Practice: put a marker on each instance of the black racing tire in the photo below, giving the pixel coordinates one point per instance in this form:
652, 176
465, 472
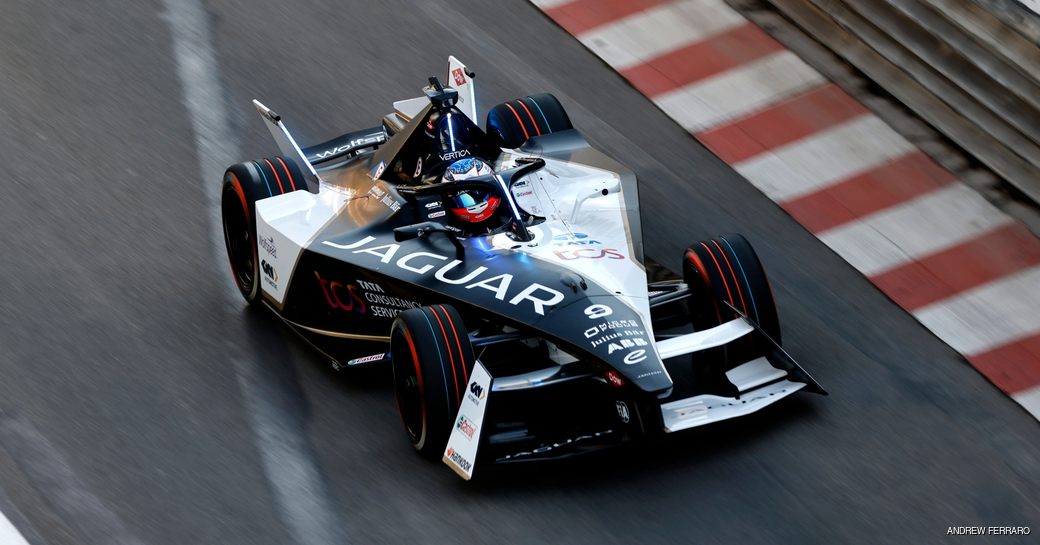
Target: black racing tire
432, 360
243, 185
726, 268
512, 123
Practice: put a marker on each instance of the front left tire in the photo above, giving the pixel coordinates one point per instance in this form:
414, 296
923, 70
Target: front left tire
431, 359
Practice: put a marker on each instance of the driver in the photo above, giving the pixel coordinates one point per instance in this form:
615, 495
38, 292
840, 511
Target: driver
472, 206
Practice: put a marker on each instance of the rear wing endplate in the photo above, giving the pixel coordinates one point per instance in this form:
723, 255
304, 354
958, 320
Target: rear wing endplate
286, 144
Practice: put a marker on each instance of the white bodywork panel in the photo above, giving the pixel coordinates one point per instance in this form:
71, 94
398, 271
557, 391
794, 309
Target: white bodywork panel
705, 409
409, 108
585, 229
703, 340
285, 225
461, 451
460, 80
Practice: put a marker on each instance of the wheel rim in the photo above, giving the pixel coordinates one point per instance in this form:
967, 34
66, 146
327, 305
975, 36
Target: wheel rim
407, 389
239, 240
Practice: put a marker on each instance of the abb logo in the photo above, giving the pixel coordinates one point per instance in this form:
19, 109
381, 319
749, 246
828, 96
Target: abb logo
340, 296
589, 253
460, 78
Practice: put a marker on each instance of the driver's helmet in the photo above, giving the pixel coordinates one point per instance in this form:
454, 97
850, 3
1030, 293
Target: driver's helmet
472, 205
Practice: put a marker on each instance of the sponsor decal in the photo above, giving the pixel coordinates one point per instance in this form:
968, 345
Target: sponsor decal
458, 460
434, 204
269, 270
614, 378
618, 329
598, 311
270, 275
379, 170
476, 393
621, 344
367, 359
589, 253
425, 263
459, 75
635, 356
552, 446
622, 411
465, 426
650, 373
437, 214
267, 243
573, 239
340, 296
454, 155
381, 194
371, 139
382, 305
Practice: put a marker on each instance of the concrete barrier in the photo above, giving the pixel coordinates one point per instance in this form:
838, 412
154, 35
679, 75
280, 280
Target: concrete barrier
966, 69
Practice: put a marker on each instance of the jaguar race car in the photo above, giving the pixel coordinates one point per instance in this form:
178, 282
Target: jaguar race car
499, 273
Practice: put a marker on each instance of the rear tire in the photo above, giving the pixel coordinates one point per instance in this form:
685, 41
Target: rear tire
512, 123
726, 268
239, 220
431, 359
243, 185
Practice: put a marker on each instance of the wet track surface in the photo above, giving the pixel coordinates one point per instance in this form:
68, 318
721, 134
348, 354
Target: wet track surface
141, 403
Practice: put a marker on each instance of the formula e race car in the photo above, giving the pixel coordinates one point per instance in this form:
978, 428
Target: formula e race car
499, 273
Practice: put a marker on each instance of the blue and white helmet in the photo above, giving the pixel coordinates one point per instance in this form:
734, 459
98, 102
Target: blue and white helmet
466, 168
471, 205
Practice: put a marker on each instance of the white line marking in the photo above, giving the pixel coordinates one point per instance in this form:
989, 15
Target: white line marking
638, 38
86, 515
9, 535
296, 482
1030, 399
921, 226
549, 4
988, 316
739, 91
824, 158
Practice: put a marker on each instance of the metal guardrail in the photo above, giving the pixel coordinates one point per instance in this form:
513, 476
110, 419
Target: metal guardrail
963, 70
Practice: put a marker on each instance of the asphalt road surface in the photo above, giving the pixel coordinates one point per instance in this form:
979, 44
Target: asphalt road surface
140, 402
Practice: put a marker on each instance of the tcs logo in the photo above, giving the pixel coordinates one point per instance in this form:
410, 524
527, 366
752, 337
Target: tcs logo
589, 253
340, 296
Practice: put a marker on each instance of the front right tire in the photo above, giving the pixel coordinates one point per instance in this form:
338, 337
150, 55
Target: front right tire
726, 268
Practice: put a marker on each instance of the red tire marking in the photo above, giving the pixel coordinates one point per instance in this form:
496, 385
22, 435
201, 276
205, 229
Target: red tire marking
721, 274
518, 120
733, 274
696, 260
451, 356
458, 343
241, 194
287, 173
418, 376
703, 272
276, 177
533, 122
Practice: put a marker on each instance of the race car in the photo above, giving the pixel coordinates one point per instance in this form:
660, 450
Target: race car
499, 272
